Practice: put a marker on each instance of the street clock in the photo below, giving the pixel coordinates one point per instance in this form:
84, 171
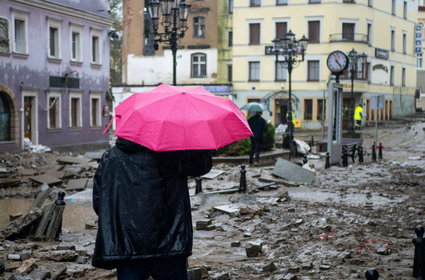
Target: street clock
337, 62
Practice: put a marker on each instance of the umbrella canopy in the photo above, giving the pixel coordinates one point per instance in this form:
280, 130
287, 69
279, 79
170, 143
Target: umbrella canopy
170, 118
254, 107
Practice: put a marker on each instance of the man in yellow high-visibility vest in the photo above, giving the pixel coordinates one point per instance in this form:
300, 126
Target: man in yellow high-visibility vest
358, 116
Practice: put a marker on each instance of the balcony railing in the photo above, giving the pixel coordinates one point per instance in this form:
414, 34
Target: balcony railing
349, 37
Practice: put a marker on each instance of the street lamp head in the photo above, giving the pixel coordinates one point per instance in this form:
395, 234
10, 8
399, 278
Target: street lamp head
175, 5
290, 36
278, 44
304, 43
352, 53
184, 11
166, 6
153, 9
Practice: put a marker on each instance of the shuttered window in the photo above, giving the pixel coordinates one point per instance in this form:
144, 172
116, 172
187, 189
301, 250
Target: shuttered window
313, 70
254, 33
281, 29
348, 31
314, 31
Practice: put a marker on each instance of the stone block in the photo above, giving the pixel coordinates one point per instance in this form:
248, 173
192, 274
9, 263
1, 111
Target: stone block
292, 172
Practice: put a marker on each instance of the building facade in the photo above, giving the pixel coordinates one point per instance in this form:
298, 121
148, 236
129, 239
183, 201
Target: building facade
382, 30
54, 72
420, 43
197, 53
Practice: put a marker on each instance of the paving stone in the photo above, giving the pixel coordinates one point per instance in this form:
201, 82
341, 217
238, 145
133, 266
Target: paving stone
73, 160
76, 184
27, 266
46, 179
292, 172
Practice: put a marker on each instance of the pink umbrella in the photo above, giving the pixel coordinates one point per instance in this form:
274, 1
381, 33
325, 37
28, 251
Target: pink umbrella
170, 118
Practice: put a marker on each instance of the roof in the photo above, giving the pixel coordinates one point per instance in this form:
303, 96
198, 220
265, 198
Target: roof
97, 7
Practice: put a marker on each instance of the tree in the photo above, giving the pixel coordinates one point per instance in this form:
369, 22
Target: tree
115, 10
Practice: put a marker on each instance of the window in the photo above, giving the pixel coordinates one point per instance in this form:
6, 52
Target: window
281, 29
76, 44
419, 61
405, 9
254, 33
313, 70
321, 110
393, 7
229, 72
255, 3
230, 38
95, 111
314, 31
199, 65
254, 71
314, 1
281, 2
95, 47
230, 6
308, 109
5, 119
370, 3
54, 109
75, 119
393, 40
391, 75
280, 72
54, 39
369, 34
20, 44
199, 27
403, 77
348, 31
4, 35
404, 43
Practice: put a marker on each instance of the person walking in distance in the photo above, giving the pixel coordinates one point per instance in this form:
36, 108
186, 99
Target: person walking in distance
258, 126
358, 116
142, 200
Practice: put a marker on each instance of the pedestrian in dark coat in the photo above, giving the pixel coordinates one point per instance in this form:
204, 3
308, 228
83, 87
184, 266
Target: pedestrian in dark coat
258, 126
142, 200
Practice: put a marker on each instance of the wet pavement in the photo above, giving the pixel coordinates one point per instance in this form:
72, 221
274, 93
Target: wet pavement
348, 220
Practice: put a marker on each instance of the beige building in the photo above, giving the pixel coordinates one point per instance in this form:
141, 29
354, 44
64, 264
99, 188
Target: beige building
382, 30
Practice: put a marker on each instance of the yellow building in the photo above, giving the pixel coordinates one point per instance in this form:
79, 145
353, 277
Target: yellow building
383, 30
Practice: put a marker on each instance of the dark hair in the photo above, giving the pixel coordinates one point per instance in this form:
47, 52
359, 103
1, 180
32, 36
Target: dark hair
128, 146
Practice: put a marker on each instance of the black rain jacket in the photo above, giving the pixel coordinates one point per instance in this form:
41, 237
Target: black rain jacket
142, 201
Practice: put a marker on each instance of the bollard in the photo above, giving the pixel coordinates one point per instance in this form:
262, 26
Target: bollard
305, 159
353, 153
372, 274
360, 153
374, 151
345, 156
327, 162
60, 200
242, 182
419, 257
50, 225
198, 187
380, 148
311, 143
1, 266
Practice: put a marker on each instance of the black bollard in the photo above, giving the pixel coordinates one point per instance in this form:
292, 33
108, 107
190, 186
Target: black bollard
419, 258
60, 200
305, 159
198, 187
344, 156
353, 153
371, 274
1, 266
327, 162
374, 151
380, 147
242, 182
360, 152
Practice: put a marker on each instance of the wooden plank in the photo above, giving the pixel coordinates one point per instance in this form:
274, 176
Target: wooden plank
41, 197
43, 224
55, 223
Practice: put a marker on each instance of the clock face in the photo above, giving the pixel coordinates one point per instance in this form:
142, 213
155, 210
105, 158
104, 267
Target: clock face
337, 61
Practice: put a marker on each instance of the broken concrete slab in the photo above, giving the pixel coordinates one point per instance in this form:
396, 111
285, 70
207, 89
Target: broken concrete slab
56, 173
9, 182
76, 184
230, 209
293, 172
213, 174
27, 172
46, 179
82, 196
73, 160
94, 155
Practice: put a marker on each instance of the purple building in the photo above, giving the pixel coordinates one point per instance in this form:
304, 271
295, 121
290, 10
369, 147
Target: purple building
54, 72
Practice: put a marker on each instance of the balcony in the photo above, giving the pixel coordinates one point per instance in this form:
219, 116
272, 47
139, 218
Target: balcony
349, 37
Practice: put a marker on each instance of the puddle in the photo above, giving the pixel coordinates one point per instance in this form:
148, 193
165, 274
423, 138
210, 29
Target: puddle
307, 194
75, 216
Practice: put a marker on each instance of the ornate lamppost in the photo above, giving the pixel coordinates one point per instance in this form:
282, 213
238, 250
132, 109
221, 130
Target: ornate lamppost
174, 14
354, 57
292, 53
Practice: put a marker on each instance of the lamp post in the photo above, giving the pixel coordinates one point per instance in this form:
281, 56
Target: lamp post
354, 57
174, 14
292, 52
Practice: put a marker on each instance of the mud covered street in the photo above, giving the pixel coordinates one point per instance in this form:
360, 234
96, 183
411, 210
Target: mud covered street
348, 220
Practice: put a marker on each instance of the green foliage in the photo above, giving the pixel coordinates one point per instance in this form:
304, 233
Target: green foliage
243, 147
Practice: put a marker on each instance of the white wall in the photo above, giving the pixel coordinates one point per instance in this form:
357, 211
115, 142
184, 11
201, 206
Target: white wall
151, 70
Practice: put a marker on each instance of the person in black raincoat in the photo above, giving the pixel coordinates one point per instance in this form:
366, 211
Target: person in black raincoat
258, 126
142, 201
